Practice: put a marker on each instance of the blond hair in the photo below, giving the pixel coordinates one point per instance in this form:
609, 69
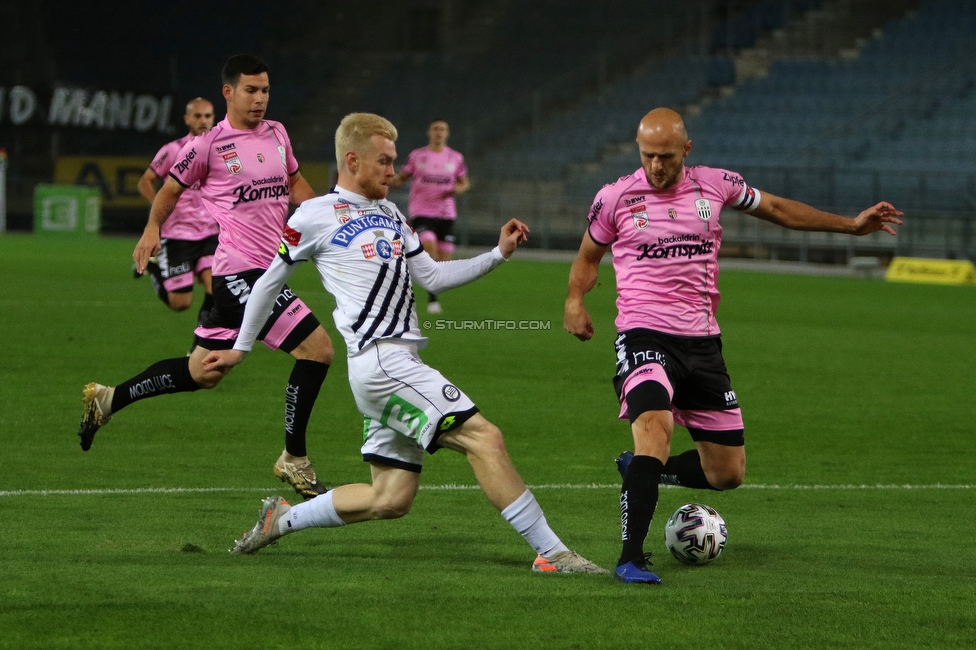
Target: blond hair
355, 133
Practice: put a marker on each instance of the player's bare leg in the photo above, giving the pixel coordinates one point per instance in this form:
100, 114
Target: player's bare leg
482, 443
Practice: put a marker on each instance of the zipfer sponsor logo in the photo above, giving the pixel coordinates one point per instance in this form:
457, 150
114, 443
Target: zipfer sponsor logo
184, 164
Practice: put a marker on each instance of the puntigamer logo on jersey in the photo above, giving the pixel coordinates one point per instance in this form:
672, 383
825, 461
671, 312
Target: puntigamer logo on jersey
349, 231
273, 187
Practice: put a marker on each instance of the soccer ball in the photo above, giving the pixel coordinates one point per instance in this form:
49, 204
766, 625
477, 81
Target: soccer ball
695, 534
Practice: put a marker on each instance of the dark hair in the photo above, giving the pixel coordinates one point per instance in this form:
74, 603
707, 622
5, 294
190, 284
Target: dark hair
242, 64
437, 119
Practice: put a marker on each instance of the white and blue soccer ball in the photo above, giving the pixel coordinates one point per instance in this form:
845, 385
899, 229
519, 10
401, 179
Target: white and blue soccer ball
695, 534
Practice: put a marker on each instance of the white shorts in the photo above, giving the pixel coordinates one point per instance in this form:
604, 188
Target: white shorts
406, 404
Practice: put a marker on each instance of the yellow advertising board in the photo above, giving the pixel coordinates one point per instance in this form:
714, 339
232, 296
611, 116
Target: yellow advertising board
116, 177
929, 271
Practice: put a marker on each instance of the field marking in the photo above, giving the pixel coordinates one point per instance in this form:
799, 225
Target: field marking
461, 487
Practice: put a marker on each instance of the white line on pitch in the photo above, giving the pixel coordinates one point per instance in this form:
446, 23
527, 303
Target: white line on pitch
456, 487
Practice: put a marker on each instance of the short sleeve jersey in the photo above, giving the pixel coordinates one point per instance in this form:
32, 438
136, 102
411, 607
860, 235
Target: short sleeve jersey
190, 220
361, 249
434, 174
665, 247
244, 181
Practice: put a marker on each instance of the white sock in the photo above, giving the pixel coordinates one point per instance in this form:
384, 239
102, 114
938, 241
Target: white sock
526, 516
317, 513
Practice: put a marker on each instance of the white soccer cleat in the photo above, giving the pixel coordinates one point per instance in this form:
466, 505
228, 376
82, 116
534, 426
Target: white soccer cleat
264, 532
566, 562
434, 308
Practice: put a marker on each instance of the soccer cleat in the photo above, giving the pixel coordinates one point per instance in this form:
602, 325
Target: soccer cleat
623, 462
636, 571
98, 412
300, 476
434, 308
265, 532
566, 562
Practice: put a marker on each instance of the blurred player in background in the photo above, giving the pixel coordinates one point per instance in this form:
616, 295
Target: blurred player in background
438, 174
247, 174
662, 223
366, 254
189, 235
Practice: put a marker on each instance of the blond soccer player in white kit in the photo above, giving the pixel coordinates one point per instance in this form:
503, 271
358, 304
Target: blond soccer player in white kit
367, 255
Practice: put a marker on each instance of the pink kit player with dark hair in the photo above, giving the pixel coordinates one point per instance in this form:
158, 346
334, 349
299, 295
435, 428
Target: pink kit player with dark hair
662, 224
438, 174
248, 175
189, 235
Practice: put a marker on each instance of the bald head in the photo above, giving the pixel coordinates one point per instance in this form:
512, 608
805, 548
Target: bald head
663, 143
199, 116
663, 122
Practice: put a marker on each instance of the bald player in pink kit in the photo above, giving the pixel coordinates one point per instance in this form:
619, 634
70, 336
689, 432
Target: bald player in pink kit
662, 224
189, 235
439, 173
248, 175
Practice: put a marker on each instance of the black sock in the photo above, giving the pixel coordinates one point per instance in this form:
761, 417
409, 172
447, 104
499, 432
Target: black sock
300, 394
638, 500
208, 303
431, 297
685, 470
156, 278
161, 378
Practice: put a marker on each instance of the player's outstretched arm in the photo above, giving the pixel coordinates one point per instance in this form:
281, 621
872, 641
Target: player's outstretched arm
876, 218
582, 278
800, 216
513, 233
163, 206
438, 277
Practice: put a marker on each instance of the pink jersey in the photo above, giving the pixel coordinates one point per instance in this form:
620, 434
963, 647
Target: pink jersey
434, 175
665, 247
190, 220
244, 180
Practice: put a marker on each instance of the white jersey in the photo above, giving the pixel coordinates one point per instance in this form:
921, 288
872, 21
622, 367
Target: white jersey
365, 252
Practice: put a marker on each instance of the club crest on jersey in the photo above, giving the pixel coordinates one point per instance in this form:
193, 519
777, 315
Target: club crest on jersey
382, 247
639, 213
233, 162
704, 209
342, 212
260, 157
672, 213
281, 152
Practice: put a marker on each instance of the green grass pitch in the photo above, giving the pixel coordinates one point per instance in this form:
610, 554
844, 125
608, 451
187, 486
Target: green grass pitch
854, 529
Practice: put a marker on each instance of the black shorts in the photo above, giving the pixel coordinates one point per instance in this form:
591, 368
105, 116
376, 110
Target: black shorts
686, 375
180, 260
290, 322
442, 228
